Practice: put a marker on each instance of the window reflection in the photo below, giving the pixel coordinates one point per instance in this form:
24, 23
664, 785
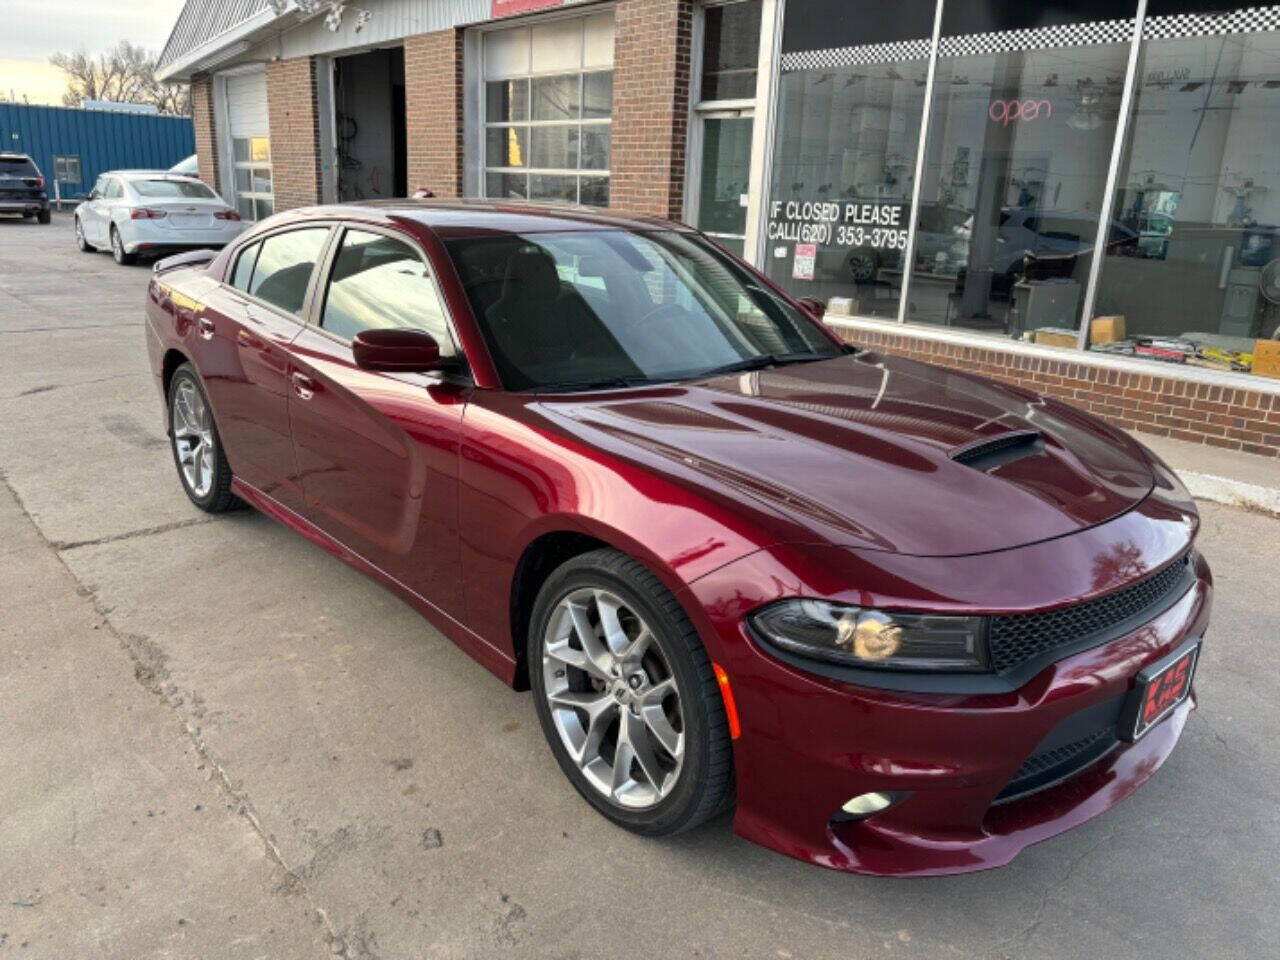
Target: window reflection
1016, 168
844, 165
1200, 187
380, 282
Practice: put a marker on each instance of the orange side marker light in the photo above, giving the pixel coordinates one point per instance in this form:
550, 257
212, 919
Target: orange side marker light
730, 707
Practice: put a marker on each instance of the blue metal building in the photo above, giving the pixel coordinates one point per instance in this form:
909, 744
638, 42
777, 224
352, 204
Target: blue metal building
74, 145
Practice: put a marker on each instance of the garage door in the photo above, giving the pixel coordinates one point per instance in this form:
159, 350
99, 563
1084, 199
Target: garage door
249, 127
247, 104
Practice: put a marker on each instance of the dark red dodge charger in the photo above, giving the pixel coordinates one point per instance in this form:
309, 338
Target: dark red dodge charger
905, 620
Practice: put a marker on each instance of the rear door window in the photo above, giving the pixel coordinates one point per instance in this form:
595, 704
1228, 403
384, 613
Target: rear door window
114, 190
241, 275
284, 267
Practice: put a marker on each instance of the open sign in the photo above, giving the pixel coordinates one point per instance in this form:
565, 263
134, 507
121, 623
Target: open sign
1008, 111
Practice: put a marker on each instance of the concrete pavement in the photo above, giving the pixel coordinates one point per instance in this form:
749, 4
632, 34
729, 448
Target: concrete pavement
218, 741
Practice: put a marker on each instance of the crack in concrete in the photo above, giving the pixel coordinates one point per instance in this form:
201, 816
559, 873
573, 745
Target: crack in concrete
1049, 891
62, 386
63, 545
75, 326
151, 671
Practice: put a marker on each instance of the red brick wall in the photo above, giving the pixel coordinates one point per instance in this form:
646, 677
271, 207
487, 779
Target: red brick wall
295, 132
1234, 419
206, 131
651, 63
433, 111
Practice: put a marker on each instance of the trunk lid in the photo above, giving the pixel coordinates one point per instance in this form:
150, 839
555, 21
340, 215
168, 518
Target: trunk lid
187, 203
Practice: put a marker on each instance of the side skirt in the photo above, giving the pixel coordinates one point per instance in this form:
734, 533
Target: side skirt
498, 662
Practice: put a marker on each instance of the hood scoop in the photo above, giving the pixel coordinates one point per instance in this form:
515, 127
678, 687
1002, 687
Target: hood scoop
991, 452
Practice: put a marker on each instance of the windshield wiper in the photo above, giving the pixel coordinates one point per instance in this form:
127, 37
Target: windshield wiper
762, 361
600, 383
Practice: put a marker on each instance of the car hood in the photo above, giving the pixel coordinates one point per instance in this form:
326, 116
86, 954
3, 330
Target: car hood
875, 452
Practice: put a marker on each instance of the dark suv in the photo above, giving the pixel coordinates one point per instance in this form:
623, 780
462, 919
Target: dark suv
22, 187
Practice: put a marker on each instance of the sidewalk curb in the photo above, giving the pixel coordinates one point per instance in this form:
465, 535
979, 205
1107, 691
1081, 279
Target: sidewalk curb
1233, 493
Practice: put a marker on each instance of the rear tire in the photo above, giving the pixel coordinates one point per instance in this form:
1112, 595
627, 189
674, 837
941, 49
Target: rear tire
655, 706
44, 216
118, 252
81, 242
196, 445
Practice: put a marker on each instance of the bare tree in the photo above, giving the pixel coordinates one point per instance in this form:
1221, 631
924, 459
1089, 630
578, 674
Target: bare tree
124, 74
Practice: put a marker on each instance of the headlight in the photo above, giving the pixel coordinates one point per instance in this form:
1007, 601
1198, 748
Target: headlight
858, 637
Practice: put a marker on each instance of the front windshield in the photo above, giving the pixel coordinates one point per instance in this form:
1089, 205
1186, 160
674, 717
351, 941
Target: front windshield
572, 309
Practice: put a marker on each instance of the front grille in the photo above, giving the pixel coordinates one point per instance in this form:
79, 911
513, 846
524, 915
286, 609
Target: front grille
1044, 769
1017, 638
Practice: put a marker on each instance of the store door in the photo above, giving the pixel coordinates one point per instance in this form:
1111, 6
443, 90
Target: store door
724, 170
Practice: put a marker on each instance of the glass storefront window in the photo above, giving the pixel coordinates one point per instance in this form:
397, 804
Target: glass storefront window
1021, 201
1199, 187
844, 164
1015, 173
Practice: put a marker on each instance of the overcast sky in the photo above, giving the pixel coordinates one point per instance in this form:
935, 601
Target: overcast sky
34, 30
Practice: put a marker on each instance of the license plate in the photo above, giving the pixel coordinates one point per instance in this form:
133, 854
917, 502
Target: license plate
189, 219
1158, 689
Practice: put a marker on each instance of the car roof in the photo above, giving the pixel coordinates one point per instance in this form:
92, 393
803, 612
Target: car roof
10, 155
468, 217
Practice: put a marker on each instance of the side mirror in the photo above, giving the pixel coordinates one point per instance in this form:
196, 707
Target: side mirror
813, 307
397, 350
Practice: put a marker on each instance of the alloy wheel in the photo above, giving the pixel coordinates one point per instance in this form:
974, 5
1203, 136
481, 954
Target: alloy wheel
117, 246
80, 240
193, 439
613, 698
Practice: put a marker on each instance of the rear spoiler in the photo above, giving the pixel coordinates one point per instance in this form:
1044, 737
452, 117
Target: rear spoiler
189, 258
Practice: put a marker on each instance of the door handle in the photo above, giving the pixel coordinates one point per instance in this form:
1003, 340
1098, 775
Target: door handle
303, 385
205, 326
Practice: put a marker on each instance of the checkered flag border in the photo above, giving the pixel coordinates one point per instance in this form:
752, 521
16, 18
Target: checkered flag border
1184, 25
857, 56
1038, 38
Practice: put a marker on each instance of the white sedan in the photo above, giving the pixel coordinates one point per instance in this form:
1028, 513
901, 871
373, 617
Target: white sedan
145, 211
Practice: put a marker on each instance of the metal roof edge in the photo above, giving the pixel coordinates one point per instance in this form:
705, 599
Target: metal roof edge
213, 51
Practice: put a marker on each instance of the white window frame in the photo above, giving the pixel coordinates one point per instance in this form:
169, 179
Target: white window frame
226, 146
484, 125
702, 110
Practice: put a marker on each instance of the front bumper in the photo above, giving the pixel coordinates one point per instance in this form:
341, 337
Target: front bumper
810, 743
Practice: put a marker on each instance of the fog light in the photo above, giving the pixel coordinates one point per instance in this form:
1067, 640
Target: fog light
868, 803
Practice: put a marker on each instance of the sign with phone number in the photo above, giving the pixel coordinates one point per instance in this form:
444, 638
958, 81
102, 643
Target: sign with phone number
839, 223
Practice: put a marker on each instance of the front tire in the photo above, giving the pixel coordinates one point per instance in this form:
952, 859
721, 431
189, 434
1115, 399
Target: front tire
118, 251
197, 448
81, 242
627, 696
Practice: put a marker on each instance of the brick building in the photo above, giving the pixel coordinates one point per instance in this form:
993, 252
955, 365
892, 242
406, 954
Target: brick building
1037, 166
